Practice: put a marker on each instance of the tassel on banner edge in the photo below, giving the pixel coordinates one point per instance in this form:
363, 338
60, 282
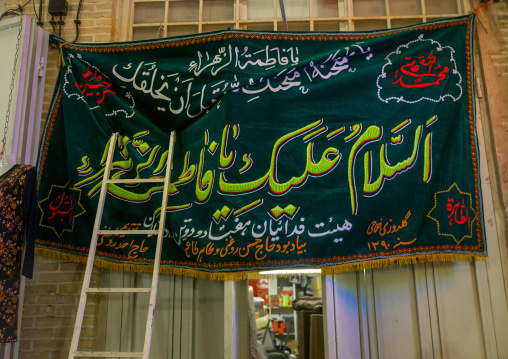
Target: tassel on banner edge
242, 275
399, 261
61, 59
137, 268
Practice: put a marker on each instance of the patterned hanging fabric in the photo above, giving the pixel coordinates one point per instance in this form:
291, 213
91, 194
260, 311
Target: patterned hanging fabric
16, 217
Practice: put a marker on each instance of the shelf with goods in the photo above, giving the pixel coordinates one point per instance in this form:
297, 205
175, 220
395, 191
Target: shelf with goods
274, 299
281, 294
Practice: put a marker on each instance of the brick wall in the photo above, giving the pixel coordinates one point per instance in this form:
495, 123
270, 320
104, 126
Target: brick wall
50, 305
501, 58
493, 46
52, 296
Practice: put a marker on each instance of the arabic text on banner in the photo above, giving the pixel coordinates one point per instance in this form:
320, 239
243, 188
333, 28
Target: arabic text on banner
341, 151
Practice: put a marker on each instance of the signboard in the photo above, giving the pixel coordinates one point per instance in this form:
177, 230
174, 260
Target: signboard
342, 151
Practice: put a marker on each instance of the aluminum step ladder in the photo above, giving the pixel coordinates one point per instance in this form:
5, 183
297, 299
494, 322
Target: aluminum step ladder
74, 353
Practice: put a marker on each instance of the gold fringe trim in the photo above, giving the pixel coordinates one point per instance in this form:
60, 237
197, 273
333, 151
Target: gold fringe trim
399, 261
242, 275
141, 268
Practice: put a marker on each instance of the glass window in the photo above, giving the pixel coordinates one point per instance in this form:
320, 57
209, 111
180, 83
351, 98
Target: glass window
145, 33
218, 10
184, 17
149, 12
326, 26
257, 9
294, 26
183, 11
405, 7
366, 8
325, 8
369, 25
263, 26
182, 30
405, 22
439, 7
217, 27
295, 9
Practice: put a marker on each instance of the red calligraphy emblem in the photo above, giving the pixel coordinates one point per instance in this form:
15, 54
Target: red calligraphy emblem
458, 213
420, 72
61, 207
94, 86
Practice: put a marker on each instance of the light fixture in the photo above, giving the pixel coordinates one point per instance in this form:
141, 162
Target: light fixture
292, 271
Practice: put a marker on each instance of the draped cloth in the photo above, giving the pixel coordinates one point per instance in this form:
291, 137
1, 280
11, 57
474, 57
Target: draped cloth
341, 151
17, 217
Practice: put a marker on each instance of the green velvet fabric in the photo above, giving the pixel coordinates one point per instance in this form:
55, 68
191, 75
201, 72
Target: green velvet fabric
292, 149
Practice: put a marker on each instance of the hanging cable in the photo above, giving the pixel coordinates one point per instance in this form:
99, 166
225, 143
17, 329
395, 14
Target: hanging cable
60, 23
53, 23
77, 21
35, 12
15, 12
40, 12
39, 17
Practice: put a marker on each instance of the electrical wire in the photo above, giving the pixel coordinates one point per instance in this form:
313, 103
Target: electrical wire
28, 2
39, 17
14, 12
9, 13
53, 23
77, 30
40, 13
35, 12
60, 23
77, 21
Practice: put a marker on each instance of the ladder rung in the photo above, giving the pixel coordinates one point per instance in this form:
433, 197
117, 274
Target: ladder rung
107, 354
74, 352
134, 231
136, 180
118, 290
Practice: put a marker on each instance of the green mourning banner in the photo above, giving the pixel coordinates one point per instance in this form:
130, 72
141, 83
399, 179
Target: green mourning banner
340, 151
